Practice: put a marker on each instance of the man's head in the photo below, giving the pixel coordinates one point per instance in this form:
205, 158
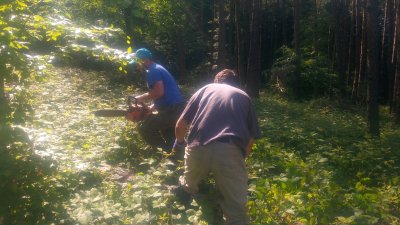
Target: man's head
227, 76
142, 58
143, 53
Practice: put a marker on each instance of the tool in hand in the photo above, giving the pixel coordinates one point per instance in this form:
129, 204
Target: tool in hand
137, 111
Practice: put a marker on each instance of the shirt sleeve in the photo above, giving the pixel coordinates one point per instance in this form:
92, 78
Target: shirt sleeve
153, 77
192, 106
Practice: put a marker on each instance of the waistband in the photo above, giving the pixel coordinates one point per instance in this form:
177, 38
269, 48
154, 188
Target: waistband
232, 140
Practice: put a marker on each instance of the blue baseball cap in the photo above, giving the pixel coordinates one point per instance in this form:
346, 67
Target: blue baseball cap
143, 53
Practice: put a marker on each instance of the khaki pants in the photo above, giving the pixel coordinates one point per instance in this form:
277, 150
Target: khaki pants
227, 164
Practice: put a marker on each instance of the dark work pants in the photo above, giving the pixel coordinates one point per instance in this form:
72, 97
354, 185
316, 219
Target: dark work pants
158, 130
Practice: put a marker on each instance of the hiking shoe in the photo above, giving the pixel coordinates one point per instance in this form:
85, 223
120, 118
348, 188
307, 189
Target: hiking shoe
182, 196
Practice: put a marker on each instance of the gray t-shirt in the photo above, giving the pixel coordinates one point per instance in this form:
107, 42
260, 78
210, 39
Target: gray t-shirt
219, 111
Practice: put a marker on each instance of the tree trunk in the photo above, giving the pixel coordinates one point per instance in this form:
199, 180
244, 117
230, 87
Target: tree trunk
386, 75
373, 72
201, 17
358, 87
221, 62
254, 56
341, 44
241, 31
296, 35
396, 61
275, 33
396, 94
286, 40
314, 24
331, 42
396, 97
230, 34
352, 46
391, 16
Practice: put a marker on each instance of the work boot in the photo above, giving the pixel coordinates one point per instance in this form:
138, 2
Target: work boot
182, 196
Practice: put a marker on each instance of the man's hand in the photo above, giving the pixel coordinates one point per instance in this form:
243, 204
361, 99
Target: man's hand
142, 97
178, 150
249, 147
156, 92
179, 144
132, 98
152, 108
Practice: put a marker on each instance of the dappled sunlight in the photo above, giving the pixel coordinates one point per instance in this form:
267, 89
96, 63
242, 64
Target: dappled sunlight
65, 130
317, 161
64, 127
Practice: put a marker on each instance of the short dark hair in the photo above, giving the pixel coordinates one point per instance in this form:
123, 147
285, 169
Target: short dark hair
227, 76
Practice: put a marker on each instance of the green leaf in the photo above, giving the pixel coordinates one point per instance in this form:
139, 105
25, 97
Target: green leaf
322, 160
38, 18
21, 4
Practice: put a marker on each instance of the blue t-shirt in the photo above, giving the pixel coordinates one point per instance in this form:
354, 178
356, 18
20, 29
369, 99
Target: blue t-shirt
172, 95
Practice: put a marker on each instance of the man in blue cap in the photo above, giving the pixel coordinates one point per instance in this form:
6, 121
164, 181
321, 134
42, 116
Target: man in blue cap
158, 129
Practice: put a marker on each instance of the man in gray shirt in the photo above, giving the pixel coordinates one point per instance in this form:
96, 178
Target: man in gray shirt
222, 127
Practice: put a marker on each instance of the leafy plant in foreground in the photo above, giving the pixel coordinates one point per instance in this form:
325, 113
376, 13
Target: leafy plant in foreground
315, 165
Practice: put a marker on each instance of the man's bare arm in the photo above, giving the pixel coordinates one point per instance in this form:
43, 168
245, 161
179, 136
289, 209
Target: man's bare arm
157, 91
249, 146
180, 130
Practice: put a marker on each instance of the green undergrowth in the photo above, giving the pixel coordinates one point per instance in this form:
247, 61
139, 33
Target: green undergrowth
316, 165
97, 170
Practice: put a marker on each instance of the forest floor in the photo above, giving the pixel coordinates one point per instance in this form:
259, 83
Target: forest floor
314, 165
64, 127
85, 150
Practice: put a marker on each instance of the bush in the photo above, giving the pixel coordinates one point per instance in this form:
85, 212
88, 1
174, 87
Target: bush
26, 189
316, 78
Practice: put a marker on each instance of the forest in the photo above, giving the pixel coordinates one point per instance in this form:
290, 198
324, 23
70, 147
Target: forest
324, 76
